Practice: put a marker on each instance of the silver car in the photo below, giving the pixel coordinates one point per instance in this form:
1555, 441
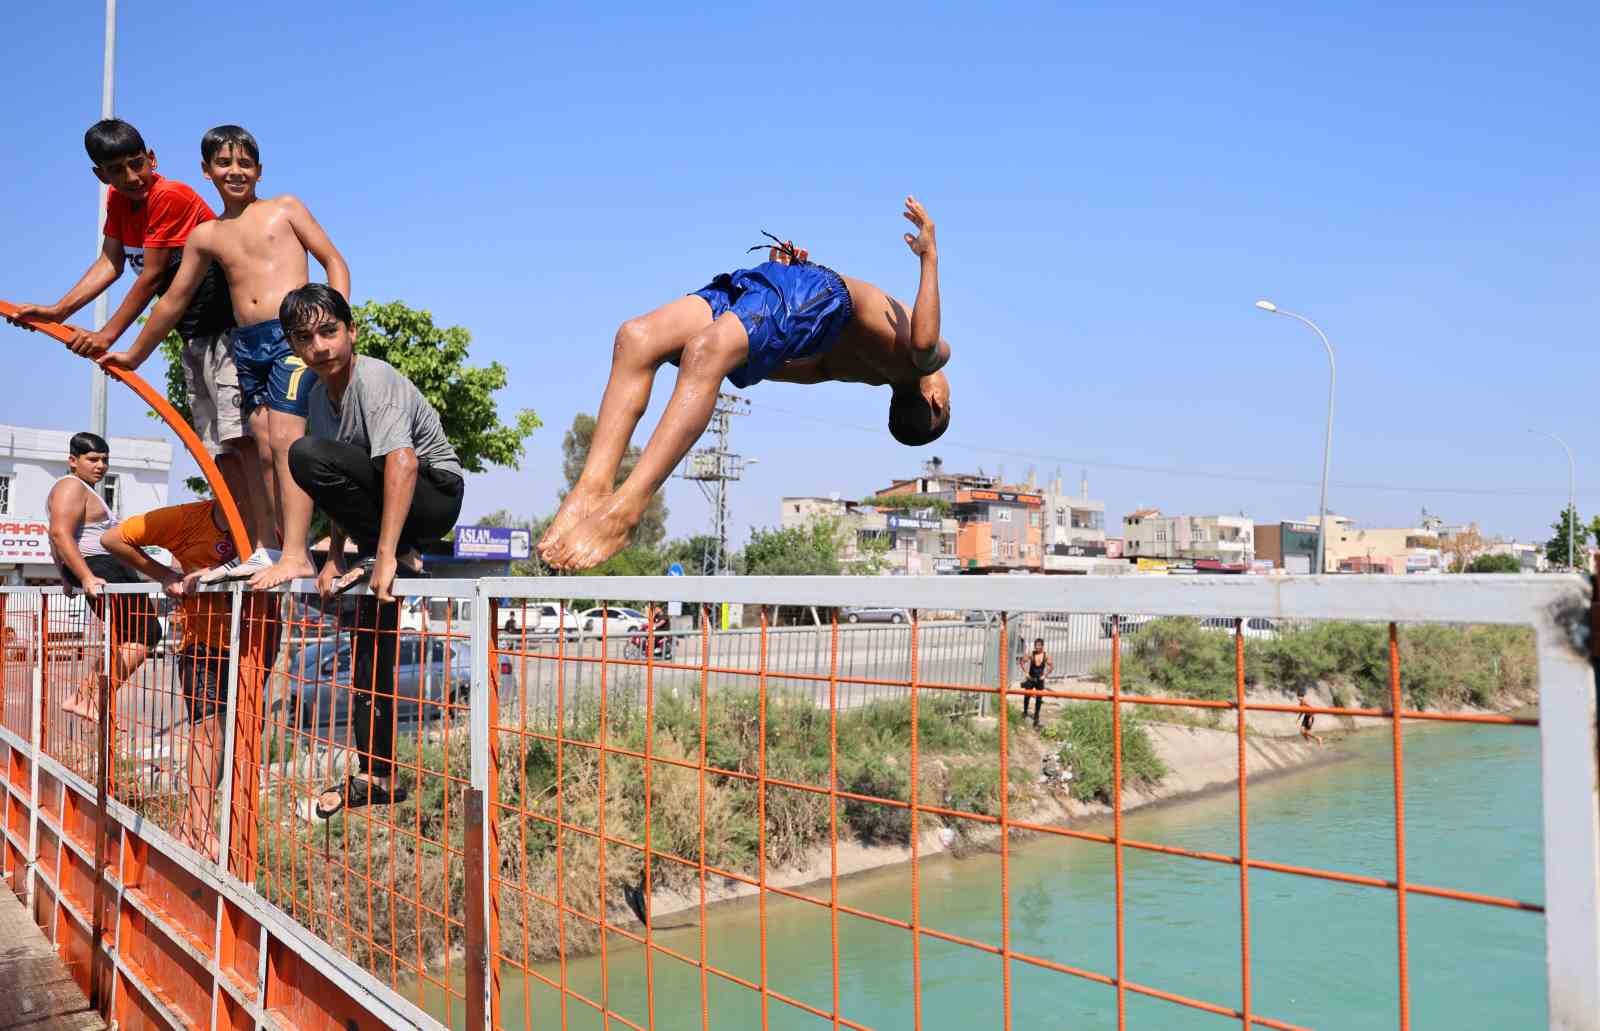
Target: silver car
871, 614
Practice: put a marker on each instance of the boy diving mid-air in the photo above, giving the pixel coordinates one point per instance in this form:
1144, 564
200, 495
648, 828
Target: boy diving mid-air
788, 319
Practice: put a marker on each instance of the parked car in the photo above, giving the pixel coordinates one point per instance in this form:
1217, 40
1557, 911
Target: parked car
612, 621
1255, 627
871, 614
979, 616
1126, 624
320, 674
536, 617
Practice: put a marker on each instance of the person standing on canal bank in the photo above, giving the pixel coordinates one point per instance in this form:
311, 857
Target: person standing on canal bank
1038, 665
376, 460
1307, 720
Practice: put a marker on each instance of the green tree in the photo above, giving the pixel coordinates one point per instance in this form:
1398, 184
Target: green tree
809, 550
695, 553
435, 359
1495, 564
1566, 525
652, 529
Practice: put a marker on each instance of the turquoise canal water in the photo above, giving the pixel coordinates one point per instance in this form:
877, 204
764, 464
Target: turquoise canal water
1322, 954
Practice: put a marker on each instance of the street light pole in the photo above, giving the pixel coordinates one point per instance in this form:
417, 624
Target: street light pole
1327, 440
97, 388
1572, 513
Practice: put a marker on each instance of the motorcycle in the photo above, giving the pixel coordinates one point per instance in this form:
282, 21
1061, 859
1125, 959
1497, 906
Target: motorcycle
660, 647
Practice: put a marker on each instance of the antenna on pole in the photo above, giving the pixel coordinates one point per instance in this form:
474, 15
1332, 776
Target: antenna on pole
713, 468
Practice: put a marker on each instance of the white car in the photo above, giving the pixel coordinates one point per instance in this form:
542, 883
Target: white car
1255, 627
536, 617
613, 622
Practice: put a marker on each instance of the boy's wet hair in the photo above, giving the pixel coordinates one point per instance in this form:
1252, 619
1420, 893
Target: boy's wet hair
87, 443
1038, 640
111, 139
302, 307
912, 421
236, 136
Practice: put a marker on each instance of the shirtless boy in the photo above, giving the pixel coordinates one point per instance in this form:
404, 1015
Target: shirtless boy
788, 320
261, 246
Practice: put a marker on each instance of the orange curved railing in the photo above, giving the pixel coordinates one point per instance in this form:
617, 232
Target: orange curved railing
169, 415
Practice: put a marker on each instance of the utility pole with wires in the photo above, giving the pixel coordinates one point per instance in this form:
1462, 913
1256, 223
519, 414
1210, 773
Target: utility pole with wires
713, 468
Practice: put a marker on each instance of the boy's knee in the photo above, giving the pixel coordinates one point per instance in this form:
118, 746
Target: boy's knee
306, 456
632, 344
710, 352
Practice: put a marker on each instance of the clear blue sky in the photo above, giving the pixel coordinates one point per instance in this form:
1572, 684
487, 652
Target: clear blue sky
1113, 188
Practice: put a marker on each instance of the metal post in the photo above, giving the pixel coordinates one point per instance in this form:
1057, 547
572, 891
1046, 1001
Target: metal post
230, 729
1568, 765
1327, 440
36, 741
1572, 507
97, 389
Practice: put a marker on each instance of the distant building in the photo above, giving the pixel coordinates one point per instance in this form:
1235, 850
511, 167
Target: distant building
1291, 547
919, 542
1530, 555
1000, 528
1214, 542
31, 460
1394, 550
1074, 537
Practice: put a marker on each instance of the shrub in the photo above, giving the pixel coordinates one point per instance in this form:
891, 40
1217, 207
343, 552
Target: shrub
1084, 728
1441, 666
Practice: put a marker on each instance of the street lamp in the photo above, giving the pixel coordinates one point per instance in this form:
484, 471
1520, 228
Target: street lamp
1327, 440
1572, 514
97, 383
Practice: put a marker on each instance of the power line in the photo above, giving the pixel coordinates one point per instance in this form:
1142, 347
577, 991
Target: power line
1205, 474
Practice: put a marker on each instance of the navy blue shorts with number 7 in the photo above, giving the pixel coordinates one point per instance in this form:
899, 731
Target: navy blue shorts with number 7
789, 312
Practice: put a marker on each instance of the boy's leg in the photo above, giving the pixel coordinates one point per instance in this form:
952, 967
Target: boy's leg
707, 357
294, 504
372, 693
340, 479
641, 345
259, 452
201, 675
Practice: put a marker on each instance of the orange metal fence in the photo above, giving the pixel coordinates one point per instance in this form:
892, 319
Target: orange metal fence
581, 796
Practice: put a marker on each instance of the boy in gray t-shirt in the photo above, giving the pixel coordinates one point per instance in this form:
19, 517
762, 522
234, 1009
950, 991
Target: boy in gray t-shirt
375, 459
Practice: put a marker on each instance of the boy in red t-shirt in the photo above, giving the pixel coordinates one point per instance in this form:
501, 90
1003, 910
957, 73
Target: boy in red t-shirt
148, 221
198, 539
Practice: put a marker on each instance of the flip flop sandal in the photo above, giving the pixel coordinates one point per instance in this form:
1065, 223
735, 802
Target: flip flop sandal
357, 792
354, 577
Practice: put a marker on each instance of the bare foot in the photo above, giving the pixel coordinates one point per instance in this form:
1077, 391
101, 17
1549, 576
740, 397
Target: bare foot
600, 536
577, 507
85, 702
289, 567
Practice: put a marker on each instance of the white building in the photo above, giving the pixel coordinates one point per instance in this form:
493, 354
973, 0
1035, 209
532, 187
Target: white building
1229, 540
1074, 531
31, 460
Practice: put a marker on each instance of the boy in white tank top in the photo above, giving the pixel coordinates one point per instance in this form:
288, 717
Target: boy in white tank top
78, 519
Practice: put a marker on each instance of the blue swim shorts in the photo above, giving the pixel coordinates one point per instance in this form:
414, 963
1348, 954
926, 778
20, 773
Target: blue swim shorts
269, 373
789, 312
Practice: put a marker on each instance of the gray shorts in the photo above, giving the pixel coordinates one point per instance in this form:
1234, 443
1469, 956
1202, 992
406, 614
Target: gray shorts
212, 382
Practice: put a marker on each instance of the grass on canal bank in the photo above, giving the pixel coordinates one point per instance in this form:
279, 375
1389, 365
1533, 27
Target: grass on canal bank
1441, 667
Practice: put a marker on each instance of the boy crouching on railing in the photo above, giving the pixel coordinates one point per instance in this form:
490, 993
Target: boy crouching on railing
196, 535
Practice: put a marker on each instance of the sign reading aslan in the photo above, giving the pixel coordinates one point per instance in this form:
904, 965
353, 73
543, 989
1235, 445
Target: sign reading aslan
493, 543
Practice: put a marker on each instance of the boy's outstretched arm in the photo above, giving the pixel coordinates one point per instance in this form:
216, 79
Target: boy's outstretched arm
156, 261
107, 269
928, 351
168, 310
317, 243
